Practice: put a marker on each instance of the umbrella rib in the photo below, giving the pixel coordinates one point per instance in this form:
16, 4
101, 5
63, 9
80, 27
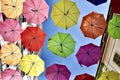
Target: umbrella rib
71, 19
59, 20
5, 2
59, 9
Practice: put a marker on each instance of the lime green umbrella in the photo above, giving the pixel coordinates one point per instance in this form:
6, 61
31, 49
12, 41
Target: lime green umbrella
114, 27
61, 44
109, 75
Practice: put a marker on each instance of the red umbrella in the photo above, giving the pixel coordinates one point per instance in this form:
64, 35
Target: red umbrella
84, 77
33, 38
57, 72
115, 4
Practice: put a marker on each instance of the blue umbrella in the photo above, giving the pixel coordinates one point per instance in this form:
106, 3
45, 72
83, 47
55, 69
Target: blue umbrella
97, 2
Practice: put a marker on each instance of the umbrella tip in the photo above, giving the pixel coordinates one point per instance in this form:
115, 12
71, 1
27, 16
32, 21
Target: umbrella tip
49, 39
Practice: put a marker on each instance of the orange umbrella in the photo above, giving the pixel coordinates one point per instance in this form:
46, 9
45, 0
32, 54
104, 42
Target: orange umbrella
33, 38
93, 25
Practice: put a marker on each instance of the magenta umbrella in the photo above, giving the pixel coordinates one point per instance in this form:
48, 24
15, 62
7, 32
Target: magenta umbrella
10, 74
35, 11
10, 30
88, 54
57, 72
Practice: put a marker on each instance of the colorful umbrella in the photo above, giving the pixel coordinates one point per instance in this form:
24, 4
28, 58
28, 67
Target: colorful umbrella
109, 75
84, 77
88, 54
114, 27
10, 30
93, 25
97, 2
57, 72
32, 65
115, 4
35, 11
33, 38
1, 18
12, 8
65, 13
10, 74
61, 44
11, 54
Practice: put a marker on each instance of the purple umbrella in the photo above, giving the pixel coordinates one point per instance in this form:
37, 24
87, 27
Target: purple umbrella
88, 54
57, 72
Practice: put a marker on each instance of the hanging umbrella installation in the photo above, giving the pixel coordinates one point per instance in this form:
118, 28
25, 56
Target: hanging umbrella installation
11, 54
84, 76
32, 65
97, 2
10, 74
12, 8
33, 38
65, 13
61, 44
88, 54
35, 11
57, 72
93, 25
10, 30
109, 75
114, 27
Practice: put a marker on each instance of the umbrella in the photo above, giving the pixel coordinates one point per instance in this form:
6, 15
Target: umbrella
12, 8
32, 65
114, 27
84, 76
65, 13
33, 38
109, 75
61, 44
11, 54
115, 5
88, 54
1, 18
93, 25
97, 2
57, 72
35, 11
10, 74
10, 30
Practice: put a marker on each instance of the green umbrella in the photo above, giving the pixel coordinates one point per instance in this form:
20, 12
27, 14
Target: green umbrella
110, 75
61, 44
114, 27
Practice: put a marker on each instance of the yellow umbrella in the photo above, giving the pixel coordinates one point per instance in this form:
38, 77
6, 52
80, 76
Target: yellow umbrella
65, 13
12, 8
32, 65
11, 54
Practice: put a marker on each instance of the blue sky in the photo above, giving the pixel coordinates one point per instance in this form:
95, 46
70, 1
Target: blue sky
71, 61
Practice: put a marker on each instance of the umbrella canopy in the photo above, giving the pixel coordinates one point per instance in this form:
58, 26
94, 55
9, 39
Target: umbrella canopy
57, 72
88, 54
32, 65
61, 44
35, 11
114, 27
10, 74
12, 8
115, 4
93, 25
1, 18
11, 54
84, 77
33, 38
97, 2
65, 13
109, 75
10, 30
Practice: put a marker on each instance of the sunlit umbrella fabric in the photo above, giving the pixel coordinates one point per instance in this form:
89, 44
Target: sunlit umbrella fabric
32, 65
115, 5
61, 44
97, 2
65, 13
57, 72
88, 54
93, 25
35, 11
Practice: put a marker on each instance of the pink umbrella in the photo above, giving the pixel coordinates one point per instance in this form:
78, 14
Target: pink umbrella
10, 30
1, 18
35, 11
10, 74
